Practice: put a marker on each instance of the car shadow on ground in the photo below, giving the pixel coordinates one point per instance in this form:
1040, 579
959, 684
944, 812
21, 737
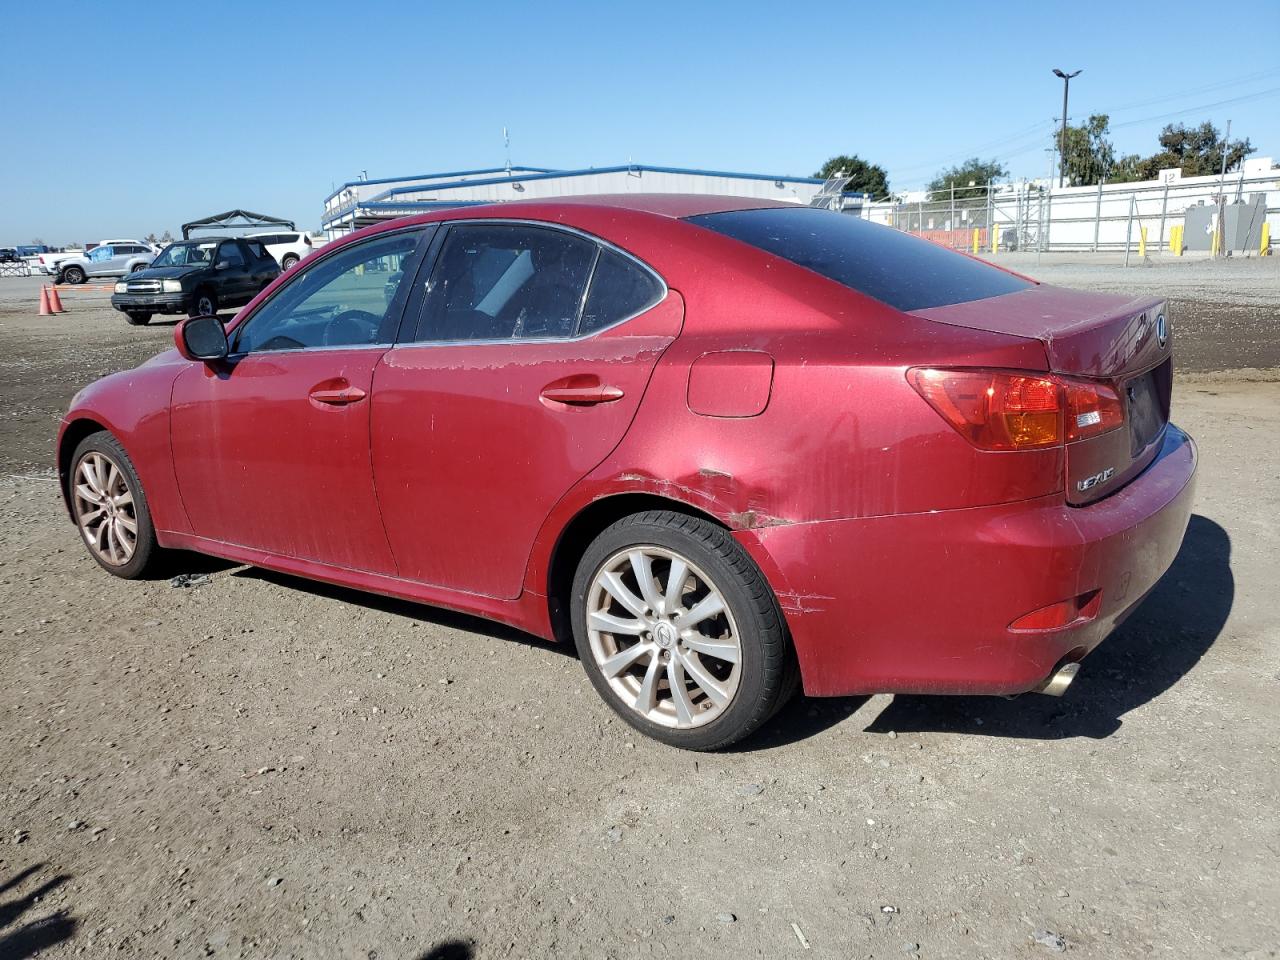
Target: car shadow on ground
406, 608
450, 950
30, 938
1155, 648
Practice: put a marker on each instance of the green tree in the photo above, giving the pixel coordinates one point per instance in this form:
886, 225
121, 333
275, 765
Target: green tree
1089, 154
1196, 150
970, 179
863, 177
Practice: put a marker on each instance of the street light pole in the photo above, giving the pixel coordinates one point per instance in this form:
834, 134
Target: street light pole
1062, 143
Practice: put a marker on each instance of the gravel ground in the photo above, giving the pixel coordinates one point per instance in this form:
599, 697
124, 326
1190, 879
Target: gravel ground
259, 766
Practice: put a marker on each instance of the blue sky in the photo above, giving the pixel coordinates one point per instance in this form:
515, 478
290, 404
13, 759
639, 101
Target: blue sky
133, 117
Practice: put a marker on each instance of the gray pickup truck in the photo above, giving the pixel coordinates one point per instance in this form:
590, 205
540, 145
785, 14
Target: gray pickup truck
107, 260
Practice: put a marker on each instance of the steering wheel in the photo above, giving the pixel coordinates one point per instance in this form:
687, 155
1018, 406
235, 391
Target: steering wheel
351, 327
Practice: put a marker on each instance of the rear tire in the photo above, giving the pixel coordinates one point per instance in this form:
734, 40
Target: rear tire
106, 501
698, 682
74, 275
288, 262
138, 319
137, 266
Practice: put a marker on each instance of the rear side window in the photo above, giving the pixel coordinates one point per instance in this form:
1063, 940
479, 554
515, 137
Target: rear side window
257, 249
506, 282
620, 288
903, 271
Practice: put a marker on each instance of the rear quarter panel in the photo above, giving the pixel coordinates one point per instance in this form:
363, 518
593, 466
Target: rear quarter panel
843, 434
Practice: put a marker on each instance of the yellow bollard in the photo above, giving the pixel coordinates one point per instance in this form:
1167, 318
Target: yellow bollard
1175, 241
1213, 243
1142, 242
1264, 246
976, 232
995, 238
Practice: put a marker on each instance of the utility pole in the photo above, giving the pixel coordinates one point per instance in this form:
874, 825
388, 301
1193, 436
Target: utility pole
1222, 195
1062, 146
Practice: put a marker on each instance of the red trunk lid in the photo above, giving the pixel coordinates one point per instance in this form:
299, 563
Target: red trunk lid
1123, 340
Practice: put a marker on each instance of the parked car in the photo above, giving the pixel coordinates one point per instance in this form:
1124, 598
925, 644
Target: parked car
9, 255
196, 277
288, 248
721, 444
106, 260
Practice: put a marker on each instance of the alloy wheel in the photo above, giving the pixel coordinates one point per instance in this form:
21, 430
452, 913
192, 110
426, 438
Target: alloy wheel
663, 637
104, 509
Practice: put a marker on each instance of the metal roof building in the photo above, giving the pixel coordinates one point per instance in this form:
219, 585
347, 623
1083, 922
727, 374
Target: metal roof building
359, 203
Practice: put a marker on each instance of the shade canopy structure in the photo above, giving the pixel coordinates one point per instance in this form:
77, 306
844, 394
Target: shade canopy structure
237, 221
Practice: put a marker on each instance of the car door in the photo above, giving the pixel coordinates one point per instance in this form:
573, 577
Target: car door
99, 261
235, 281
271, 447
262, 266
519, 374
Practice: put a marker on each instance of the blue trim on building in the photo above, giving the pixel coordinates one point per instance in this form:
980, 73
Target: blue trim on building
637, 167
432, 176
381, 201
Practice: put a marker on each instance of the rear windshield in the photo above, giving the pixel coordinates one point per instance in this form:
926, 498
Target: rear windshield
905, 272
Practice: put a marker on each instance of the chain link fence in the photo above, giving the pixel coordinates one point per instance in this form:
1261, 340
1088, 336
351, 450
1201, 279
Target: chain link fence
1178, 215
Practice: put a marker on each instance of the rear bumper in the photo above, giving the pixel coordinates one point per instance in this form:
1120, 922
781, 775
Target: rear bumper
921, 603
153, 302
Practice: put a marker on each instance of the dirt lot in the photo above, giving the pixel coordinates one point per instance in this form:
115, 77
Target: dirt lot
265, 767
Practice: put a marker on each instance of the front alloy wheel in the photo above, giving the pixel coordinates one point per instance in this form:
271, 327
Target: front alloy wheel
109, 507
679, 632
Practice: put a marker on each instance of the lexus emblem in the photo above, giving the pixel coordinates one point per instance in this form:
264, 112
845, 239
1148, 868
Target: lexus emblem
1162, 330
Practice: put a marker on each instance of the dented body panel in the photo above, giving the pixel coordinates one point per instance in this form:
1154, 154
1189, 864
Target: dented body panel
757, 393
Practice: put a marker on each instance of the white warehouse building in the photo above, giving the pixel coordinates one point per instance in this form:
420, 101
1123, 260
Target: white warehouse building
359, 203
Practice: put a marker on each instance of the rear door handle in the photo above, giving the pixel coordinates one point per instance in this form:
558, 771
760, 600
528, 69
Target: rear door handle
336, 396
583, 389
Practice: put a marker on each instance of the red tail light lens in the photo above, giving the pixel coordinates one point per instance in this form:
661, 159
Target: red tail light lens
1004, 410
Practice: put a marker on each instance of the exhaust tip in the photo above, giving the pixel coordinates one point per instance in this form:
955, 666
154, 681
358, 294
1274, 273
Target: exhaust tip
1058, 681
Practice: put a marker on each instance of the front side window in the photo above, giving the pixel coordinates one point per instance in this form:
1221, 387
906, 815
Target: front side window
507, 282
230, 255
347, 299
99, 254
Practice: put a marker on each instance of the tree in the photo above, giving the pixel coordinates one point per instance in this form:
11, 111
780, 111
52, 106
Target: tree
1197, 151
1089, 154
166, 237
37, 242
863, 177
970, 179
150, 237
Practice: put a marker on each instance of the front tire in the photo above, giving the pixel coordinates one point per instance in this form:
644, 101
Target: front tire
138, 319
110, 508
74, 275
203, 304
679, 631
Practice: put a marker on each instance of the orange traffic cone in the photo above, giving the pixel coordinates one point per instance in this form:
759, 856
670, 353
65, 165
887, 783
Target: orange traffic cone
45, 309
55, 301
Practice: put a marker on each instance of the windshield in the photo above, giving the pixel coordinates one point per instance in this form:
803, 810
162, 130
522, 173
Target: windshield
186, 254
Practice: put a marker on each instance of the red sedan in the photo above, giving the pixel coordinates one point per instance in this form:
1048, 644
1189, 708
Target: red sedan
727, 446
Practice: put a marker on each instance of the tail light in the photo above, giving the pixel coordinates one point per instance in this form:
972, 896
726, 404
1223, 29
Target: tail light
1004, 410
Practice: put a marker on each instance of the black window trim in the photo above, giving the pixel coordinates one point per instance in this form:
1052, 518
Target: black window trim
409, 329
430, 232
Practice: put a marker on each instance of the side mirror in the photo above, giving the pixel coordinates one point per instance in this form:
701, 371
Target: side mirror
201, 338
222, 265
